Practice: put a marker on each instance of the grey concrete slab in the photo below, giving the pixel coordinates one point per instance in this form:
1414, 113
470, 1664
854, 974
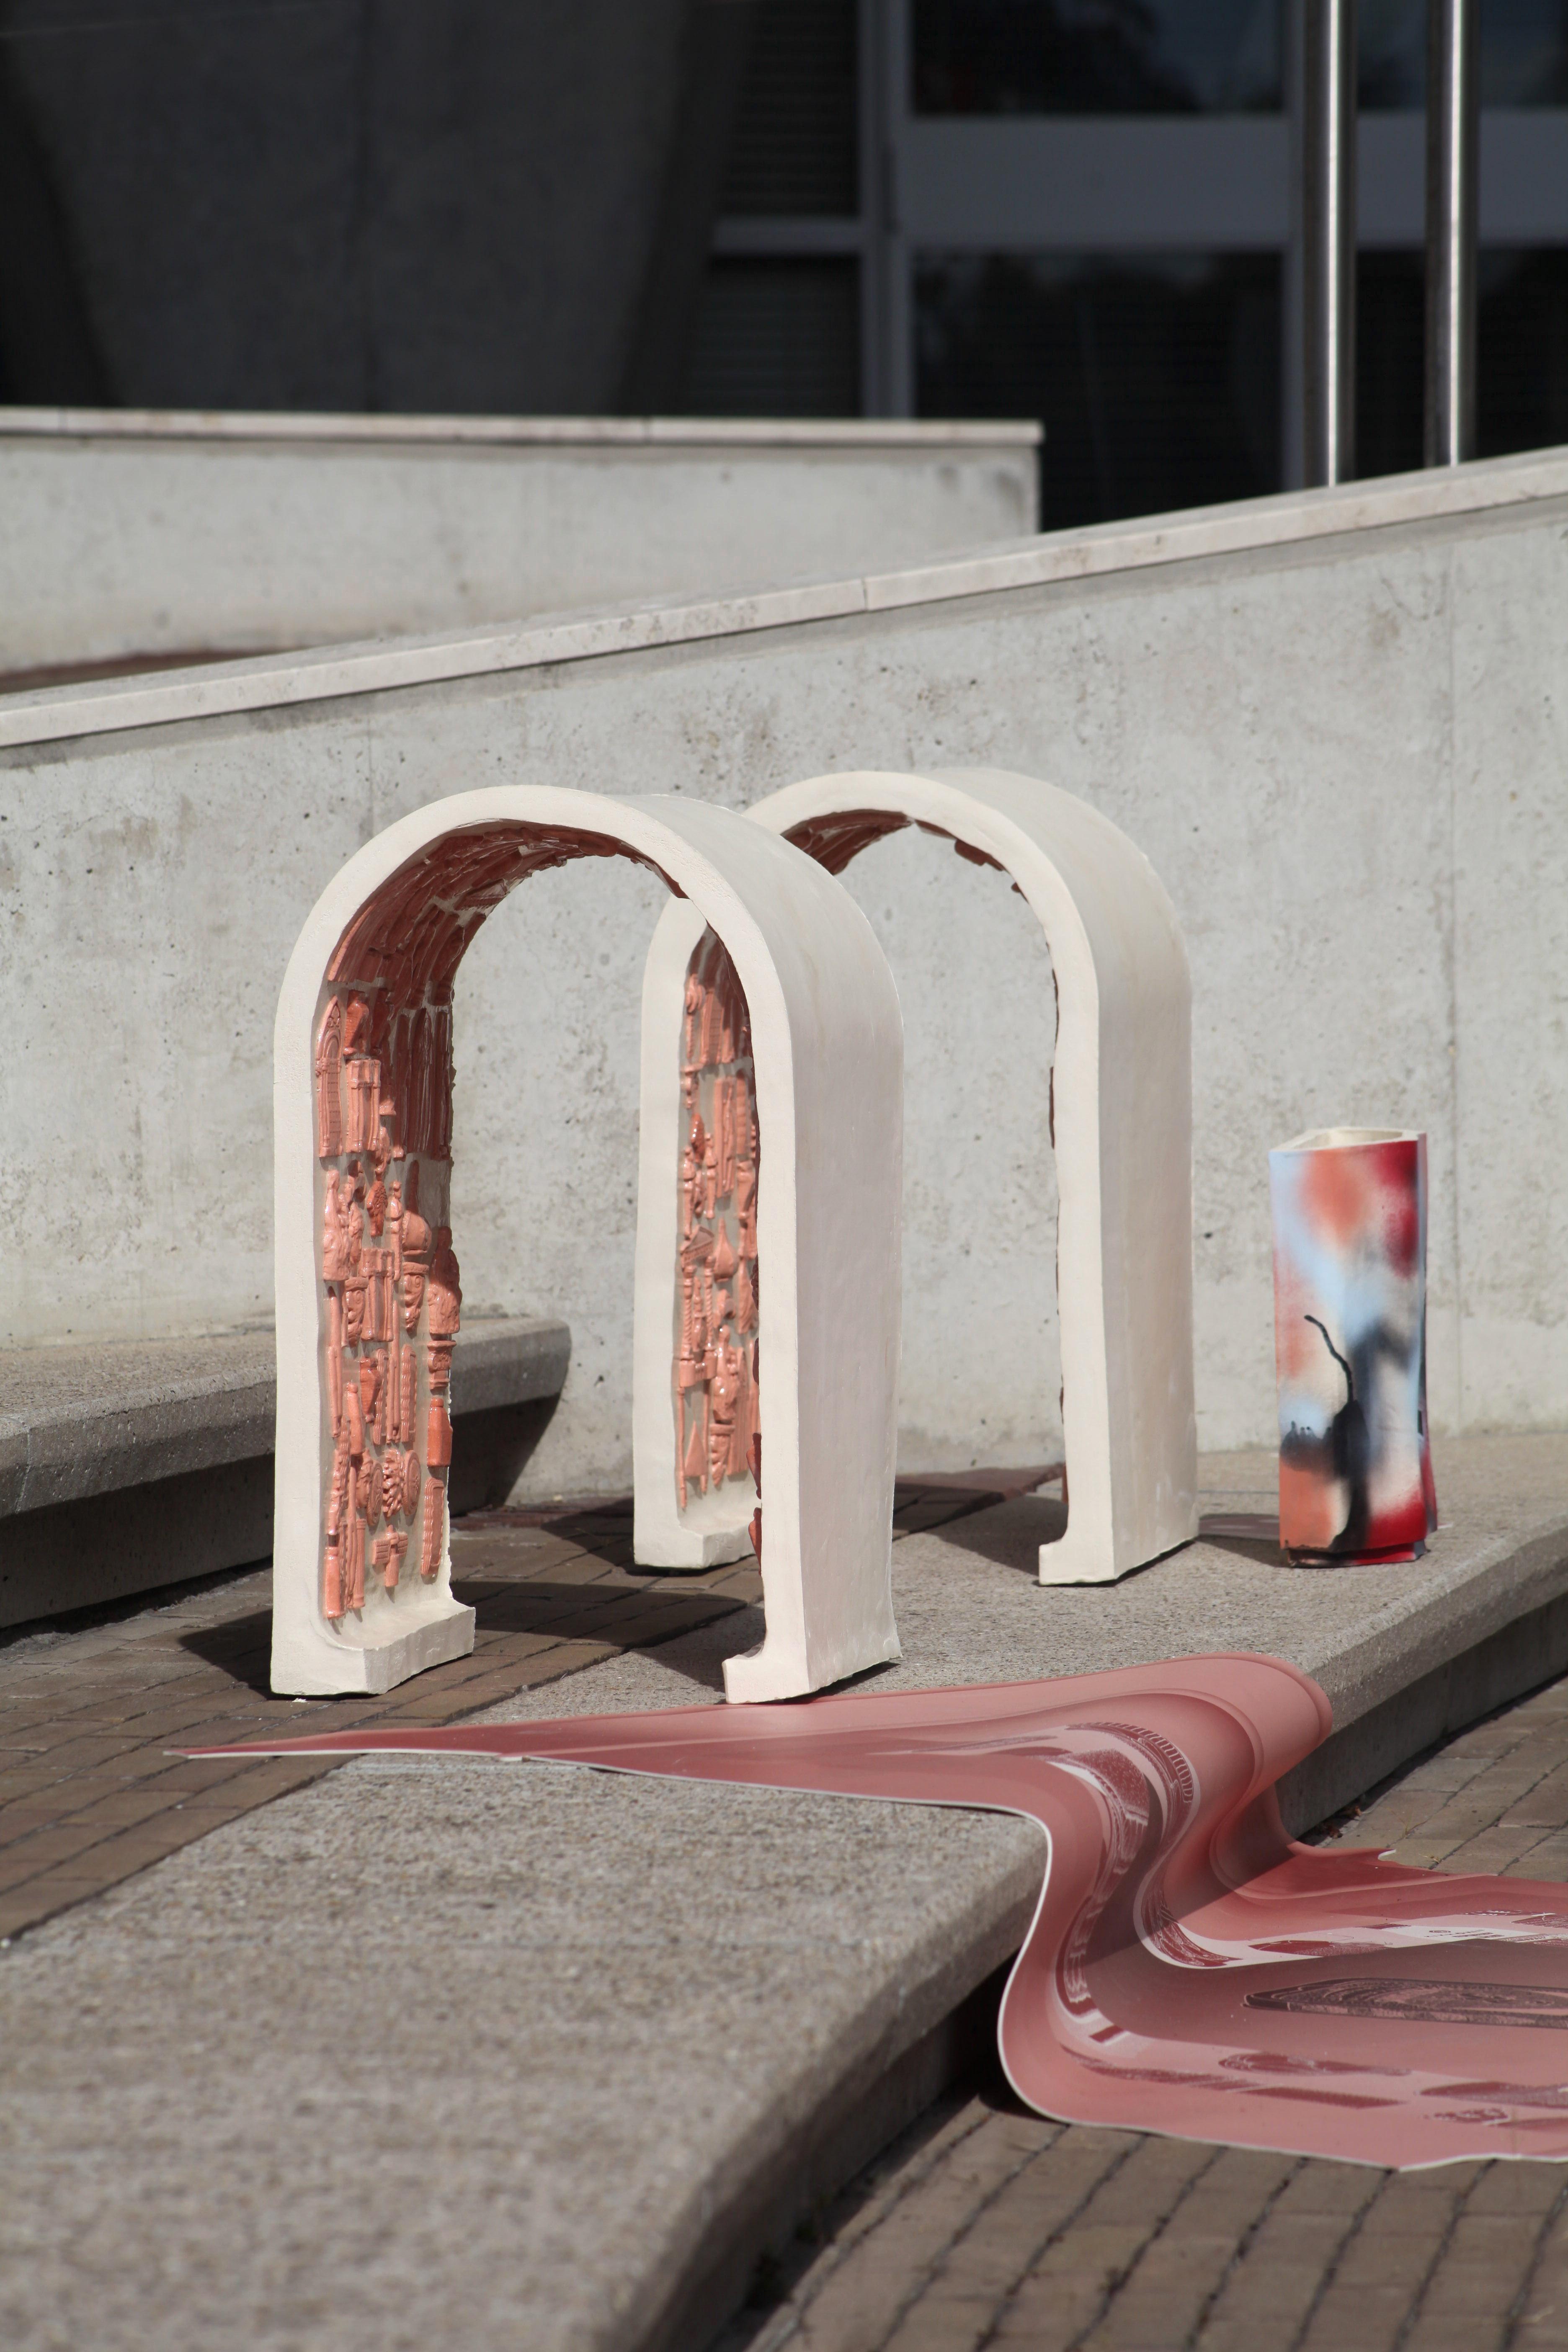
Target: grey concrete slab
464, 2053
1333, 723
128, 1466
85, 1420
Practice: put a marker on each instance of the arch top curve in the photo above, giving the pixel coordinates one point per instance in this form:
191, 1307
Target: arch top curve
365, 1008
1121, 1088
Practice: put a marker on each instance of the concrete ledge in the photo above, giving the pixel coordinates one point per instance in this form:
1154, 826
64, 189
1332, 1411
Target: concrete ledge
688, 2011
125, 1467
1406, 1655
293, 427
1294, 520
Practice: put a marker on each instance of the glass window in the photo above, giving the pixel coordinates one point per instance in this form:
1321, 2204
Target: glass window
1157, 376
776, 339
1095, 57
1521, 356
1524, 45
1200, 57
794, 149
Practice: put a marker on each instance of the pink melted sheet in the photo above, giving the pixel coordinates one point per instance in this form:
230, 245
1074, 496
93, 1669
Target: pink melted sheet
1189, 1970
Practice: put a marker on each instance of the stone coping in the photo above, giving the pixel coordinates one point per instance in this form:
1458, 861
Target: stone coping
83, 1420
279, 681
730, 433
870, 1985
596, 2039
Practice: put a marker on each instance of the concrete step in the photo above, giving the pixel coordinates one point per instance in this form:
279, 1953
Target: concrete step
873, 1934
644, 2025
130, 1465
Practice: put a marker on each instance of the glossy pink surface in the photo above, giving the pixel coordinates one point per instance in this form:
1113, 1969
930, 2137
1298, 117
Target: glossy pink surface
713, 1377
1189, 1970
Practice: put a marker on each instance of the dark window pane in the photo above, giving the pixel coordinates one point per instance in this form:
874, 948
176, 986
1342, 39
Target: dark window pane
1521, 363
794, 145
1095, 57
1521, 356
1390, 344
776, 339
1525, 53
1158, 378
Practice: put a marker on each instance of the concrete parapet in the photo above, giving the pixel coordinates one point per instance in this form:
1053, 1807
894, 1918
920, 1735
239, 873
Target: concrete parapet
151, 536
128, 1467
1333, 722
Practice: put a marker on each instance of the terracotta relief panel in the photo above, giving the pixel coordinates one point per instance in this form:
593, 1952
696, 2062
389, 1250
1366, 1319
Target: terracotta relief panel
391, 1293
391, 1299
714, 1377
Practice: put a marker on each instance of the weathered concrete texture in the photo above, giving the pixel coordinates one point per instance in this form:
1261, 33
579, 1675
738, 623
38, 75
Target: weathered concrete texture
78, 1421
568, 2031
123, 1466
1343, 753
165, 534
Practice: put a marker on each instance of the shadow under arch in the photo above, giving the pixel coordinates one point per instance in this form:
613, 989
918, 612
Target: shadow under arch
1121, 1119
363, 1092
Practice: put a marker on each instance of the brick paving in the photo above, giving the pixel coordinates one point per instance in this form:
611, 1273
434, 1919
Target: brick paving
986, 2226
90, 1707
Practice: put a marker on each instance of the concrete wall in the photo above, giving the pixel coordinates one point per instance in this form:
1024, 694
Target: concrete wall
131, 535
1337, 724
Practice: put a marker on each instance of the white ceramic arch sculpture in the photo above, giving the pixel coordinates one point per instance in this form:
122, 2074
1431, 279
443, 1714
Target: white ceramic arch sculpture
367, 1286
1121, 1116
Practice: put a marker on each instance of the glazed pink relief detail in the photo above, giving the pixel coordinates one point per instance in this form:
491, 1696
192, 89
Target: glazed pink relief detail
1188, 1969
713, 1383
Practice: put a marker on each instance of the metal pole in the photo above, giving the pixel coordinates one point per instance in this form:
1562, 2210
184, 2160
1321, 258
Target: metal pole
1329, 224
1453, 156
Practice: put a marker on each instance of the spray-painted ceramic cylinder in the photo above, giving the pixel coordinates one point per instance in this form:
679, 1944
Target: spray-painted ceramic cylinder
1349, 1334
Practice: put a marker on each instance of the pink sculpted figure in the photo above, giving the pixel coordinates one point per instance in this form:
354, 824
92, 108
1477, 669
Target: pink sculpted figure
416, 1246
364, 1073
329, 1066
435, 1529
708, 1028
335, 1356
407, 1397
335, 1231
691, 1056
394, 1229
724, 1262
445, 1295
376, 1207
724, 1398
355, 1299
713, 1397
337, 1511
354, 1565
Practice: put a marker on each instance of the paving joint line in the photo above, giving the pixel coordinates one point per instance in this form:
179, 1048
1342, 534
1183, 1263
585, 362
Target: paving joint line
1331, 2268
1517, 2312
1049, 2239
1238, 2255
1119, 2279
777, 2334
932, 2270
1401, 2336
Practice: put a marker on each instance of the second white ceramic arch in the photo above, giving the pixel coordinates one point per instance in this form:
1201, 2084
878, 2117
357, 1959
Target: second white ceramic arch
1122, 1117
